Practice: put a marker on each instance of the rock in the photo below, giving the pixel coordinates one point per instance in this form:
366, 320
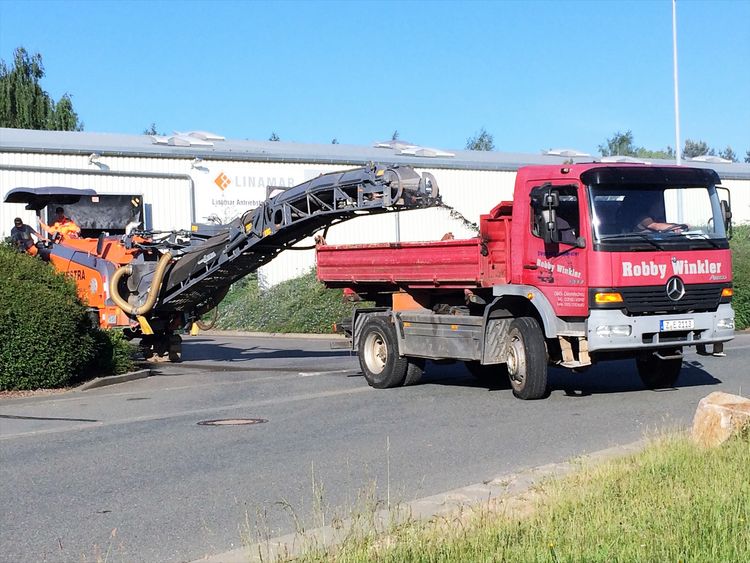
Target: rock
718, 417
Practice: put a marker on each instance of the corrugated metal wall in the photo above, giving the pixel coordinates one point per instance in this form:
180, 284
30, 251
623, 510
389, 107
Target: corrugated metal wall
224, 189
469, 192
167, 201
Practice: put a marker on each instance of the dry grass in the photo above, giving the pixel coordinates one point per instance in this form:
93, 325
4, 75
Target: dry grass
671, 502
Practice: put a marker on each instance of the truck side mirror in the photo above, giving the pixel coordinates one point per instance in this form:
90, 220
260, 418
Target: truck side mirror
549, 230
552, 202
726, 209
551, 199
726, 214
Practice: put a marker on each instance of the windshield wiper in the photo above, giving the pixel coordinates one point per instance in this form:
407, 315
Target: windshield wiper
697, 235
621, 236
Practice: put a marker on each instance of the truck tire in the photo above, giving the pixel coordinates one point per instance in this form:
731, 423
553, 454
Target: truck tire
527, 359
381, 365
414, 371
174, 351
658, 373
494, 375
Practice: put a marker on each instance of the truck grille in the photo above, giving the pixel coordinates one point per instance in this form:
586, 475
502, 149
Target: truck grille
698, 297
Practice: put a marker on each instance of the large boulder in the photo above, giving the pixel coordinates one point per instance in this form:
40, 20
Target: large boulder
718, 417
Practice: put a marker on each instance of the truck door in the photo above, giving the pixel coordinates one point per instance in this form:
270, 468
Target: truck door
557, 268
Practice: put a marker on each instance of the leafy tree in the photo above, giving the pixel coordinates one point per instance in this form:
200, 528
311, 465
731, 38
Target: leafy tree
621, 144
23, 102
395, 135
274, 136
481, 141
334, 141
728, 154
665, 154
152, 130
697, 148
64, 117
747, 156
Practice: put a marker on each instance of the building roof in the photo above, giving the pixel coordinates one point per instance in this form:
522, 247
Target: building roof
208, 146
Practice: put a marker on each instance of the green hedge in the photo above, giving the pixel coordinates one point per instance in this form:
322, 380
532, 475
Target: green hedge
741, 274
46, 335
299, 305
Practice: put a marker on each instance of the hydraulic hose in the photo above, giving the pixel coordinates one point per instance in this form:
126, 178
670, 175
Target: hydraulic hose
153, 291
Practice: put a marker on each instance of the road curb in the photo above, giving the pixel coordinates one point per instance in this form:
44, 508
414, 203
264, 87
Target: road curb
507, 486
114, 379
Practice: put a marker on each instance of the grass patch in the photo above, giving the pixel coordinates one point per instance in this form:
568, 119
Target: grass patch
671, 502
740, 244
301, 305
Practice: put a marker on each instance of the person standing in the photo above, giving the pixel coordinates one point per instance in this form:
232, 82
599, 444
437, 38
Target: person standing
21, 236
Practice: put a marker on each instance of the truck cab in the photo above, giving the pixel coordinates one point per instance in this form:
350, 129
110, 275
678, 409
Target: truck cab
589, 262
645, 267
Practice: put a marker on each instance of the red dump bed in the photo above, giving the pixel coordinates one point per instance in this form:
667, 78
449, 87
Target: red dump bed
477, 262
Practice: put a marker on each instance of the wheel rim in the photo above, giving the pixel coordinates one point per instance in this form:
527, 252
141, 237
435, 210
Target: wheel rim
376, 352
516, 361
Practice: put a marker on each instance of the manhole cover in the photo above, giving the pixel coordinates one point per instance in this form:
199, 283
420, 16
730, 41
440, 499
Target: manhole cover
232, 422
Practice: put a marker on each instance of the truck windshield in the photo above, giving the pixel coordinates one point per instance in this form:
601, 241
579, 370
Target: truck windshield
659, 216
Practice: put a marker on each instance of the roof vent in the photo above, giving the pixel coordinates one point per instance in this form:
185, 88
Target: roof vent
395, 144
180, 140
624, 159
405, 148
425, 152
710, 158
202, 135
565, 152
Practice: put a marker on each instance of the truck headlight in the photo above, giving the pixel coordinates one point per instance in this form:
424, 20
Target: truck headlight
725, 323
607, 331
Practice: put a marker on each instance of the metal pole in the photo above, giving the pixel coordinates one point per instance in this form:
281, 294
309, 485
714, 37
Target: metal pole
676, 86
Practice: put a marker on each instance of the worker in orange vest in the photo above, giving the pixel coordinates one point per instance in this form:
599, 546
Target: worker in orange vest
63, 225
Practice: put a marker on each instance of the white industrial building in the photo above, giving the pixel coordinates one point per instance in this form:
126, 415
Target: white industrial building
191, 177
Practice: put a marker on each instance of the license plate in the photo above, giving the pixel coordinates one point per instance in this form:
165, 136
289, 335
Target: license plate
679, 324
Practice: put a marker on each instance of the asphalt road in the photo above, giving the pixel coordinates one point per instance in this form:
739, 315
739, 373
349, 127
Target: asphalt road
126, 472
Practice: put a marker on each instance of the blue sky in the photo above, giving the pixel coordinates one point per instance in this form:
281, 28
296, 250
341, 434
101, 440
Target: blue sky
534, 74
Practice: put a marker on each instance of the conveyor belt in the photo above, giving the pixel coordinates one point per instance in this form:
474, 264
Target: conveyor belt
201, 276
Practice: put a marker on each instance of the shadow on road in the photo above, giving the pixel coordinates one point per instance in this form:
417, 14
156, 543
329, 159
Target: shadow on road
196, 349
18, 417
610, 377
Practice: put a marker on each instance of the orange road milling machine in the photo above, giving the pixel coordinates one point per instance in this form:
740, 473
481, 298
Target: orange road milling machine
157, 284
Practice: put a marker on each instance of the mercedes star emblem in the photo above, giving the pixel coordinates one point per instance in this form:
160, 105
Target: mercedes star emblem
675, 288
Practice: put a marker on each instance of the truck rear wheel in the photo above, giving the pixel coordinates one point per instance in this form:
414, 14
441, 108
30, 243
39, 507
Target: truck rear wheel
658, 373
381, 365
414, 371
527, 359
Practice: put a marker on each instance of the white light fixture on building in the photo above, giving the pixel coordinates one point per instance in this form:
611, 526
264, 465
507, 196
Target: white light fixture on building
197, 164
94, 158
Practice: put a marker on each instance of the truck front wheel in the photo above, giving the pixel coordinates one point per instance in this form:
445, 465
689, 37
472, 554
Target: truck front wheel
658, 373
527, 359
381, 365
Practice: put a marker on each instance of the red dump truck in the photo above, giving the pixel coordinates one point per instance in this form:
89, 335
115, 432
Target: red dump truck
589, 262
